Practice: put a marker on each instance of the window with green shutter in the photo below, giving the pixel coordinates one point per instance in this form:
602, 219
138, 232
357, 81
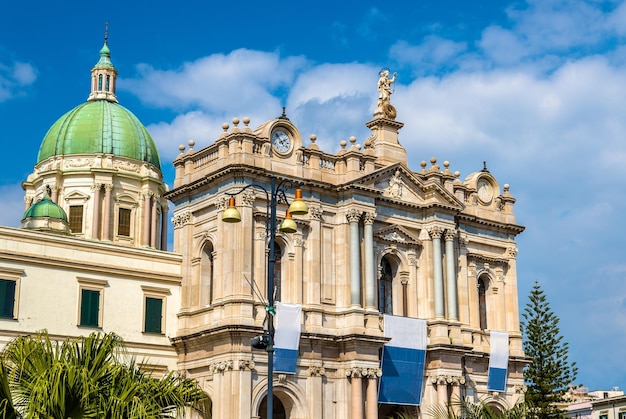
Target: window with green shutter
7, 298
154, 315
89, 308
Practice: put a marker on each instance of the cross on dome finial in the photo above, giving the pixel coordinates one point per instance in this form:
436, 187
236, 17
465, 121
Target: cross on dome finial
106, 32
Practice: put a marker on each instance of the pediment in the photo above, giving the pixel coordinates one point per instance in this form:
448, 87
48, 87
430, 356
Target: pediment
398, 183
396, 234
76, 196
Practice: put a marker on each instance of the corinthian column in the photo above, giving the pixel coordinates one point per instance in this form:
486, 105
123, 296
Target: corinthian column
355, 258
106, 233
436, 233
451, 276
145, 237
95, 227
368, 238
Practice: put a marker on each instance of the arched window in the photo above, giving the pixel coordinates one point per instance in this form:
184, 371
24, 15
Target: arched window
385, 301
100, 82
278, 409
482, 304
278, 256
108, 83
206, 275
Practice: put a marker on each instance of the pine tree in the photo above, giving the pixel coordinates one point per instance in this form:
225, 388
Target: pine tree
550, 372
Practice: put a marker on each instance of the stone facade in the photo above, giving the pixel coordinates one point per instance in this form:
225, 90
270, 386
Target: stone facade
379, 237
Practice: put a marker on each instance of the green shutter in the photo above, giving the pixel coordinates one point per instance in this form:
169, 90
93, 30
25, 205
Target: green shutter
89, 308
154, 313
7, 298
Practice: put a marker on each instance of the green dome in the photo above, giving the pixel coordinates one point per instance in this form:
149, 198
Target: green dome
45, 208
100, 126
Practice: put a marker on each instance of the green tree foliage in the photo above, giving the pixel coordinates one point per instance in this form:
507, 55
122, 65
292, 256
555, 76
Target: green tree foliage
550, 372
88, 377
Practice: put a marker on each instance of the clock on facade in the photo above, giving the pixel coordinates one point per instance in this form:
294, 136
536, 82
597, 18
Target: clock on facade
281, 141
485, 191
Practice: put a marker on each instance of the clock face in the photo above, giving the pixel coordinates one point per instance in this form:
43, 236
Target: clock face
485, 191
281, 141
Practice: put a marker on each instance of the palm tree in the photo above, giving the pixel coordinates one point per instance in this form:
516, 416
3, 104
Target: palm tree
87, 378
467, 410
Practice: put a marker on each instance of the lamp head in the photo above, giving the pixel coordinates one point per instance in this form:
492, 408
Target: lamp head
288, 225
231, 214
298, 206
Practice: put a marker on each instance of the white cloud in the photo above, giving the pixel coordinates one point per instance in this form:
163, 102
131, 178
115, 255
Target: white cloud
239, 81
15, 76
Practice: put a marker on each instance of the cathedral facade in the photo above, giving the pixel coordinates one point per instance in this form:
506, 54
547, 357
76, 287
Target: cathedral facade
380, 242
380, 239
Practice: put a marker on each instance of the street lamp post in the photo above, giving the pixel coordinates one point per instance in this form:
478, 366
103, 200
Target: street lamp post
275, 195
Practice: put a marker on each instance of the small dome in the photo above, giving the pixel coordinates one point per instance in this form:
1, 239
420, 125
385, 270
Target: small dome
100, 126
45, 208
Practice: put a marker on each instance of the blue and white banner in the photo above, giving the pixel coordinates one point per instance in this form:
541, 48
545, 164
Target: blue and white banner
403, 361
498, 361
287, 337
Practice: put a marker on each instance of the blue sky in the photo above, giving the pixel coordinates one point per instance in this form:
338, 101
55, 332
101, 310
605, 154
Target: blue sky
535, 88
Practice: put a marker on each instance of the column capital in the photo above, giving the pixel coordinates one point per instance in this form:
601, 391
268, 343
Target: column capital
369, 217
180, 220
108, 187
317, 371
246, 364
449, 234
511, 252
221, 366
353, 215
435, 232
96, 187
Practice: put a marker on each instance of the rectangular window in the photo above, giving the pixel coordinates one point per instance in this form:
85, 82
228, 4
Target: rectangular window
7, 299
604, 416
621, 415
89, 308
123, 226
154, 315
76, 218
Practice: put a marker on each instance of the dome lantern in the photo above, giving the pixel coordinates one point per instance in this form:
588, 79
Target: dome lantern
104, 75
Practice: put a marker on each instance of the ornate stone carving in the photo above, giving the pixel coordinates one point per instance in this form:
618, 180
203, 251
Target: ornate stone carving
511, 252
126, 166
246, 364
353, 216
315, 212
221, 203
96, 187
221, 366
369, 217
412, 260
248, 197
396, 185
317, 371
519, 389
179, 220
298, 241
78, 162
